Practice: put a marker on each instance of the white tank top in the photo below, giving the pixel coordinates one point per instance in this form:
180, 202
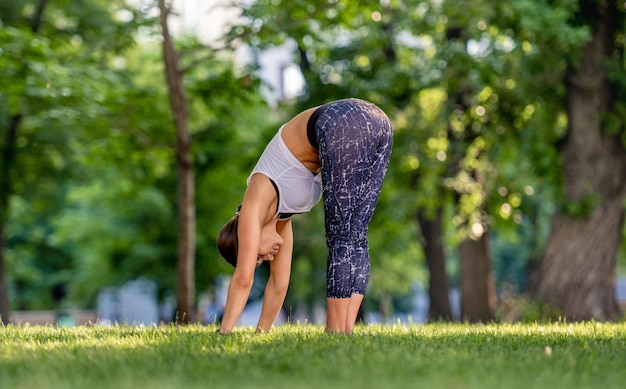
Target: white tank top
298, 188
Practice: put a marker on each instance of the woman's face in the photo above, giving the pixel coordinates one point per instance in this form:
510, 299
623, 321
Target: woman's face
270, 242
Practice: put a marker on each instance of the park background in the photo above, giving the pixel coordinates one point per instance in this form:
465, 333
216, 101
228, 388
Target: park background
128, 131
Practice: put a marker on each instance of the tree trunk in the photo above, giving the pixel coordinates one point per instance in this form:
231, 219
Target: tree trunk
477, 283
185, 286
578, 272
5, 309
438, 286
6, 190
6, 184
475, 276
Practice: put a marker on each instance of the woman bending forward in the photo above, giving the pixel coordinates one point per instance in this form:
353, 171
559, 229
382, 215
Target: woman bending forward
340, 151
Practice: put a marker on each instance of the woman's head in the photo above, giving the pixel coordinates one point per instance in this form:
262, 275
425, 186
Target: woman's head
227, 240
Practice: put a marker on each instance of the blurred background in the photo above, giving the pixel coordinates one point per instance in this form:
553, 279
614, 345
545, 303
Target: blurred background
128, 129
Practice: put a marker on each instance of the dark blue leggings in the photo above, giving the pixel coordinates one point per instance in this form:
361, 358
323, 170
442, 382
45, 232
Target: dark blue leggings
355, 140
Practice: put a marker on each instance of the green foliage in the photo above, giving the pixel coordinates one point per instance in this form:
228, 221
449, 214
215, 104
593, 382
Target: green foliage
475, 91
439, 355
308, 277
94, 178
119, 235
54, 72
523, 310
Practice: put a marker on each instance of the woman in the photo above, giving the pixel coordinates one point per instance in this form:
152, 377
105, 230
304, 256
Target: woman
341, 150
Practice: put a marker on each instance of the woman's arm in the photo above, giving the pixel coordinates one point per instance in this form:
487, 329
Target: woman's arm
254, 210
278, 282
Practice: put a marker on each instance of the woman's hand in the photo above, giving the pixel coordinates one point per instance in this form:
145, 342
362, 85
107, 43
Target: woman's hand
263, 258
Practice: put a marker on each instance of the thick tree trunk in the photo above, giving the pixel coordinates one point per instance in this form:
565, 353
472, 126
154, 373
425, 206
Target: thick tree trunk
438, 286
577, 273
185, 286
477, 283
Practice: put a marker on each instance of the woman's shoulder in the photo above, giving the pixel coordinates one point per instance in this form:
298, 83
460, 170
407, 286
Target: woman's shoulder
260, 196
298, 122
294, 135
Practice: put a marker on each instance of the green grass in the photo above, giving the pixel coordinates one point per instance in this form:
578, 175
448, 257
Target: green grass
455, 356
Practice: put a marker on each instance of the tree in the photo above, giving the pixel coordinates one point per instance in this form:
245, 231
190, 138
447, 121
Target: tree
175, 71
185, 263
578, 269
465, 132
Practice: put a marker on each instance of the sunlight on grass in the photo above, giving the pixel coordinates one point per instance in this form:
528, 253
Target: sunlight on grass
303, 356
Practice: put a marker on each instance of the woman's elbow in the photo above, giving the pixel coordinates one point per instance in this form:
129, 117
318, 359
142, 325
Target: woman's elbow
280, 286
242, 281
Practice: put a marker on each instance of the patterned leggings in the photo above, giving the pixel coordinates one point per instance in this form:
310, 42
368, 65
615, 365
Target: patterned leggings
355, 140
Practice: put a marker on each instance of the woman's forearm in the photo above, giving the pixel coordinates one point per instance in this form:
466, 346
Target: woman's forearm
238, 293
278, 282
273, 300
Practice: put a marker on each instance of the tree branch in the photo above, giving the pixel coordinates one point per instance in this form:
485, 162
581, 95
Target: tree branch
36, 21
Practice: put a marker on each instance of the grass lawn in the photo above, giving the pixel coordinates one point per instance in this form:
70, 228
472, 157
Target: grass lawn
455, 356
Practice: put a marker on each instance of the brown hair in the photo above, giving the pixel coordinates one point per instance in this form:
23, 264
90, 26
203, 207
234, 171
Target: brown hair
228, 241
